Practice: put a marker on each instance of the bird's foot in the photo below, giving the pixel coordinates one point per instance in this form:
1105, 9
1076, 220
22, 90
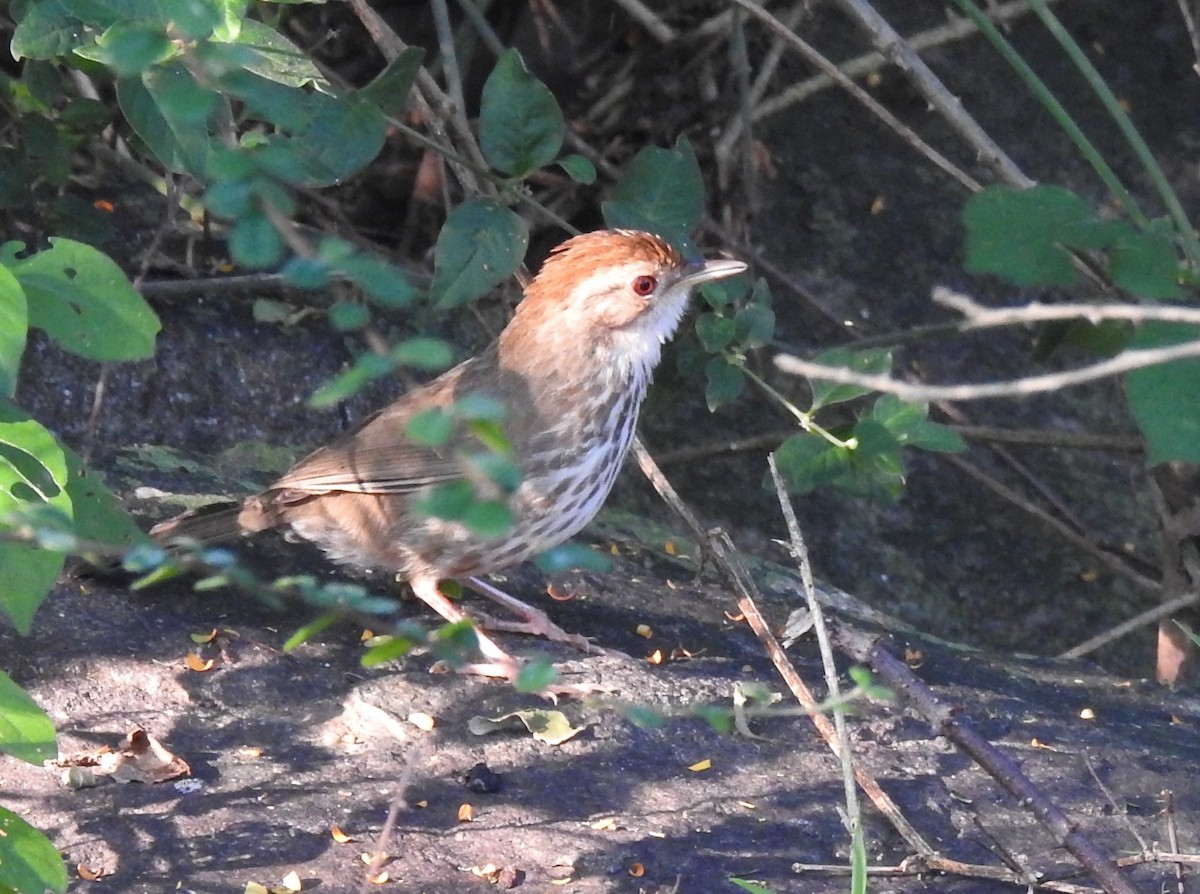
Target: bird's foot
532, 621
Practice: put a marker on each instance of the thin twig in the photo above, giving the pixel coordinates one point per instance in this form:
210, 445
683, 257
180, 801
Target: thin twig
645, 16
894, 47
905, 132
1189, 22
743, 584
799, 551
1126, 361
956, 29
1145, 619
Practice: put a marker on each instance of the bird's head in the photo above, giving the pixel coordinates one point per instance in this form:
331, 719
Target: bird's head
622, 291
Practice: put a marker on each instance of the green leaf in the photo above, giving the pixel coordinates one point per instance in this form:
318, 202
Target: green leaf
317, 139
388, 92
305, 273
875, 361
429, 354
752, 887
578, 168
430, 427
1147, 264
807, 462
1016, 234
388, 649
33, 473
715, 331
366, 368
25, 731
14, 325
521, 127
450, 501
488, 518
1163, 398
82, 300
481, 244
662, 191
348, 316
50, 29
1024, 235
535, 676
724, 382
309, 630
755, 326
570, 557
254, 241
130, 47
384, 284
162, 107
95, 512
28, 861
277, 58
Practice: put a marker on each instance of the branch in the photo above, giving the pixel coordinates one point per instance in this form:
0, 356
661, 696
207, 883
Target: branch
979, 317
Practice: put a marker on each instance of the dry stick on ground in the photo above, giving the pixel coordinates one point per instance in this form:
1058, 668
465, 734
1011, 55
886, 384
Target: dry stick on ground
949, 722
723, 552
718, 546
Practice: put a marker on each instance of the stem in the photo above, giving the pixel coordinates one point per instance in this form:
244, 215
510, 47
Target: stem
805, 419
1048, 100
1191, 244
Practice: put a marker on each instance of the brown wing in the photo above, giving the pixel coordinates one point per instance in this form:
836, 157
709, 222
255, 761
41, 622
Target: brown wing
377, 457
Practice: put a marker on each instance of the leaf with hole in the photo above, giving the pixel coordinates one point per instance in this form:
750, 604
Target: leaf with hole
33, 473
81, 299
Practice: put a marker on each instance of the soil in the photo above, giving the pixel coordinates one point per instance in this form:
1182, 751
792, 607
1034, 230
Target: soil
284, 745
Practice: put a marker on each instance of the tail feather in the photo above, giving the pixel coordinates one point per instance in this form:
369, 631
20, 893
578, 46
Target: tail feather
208, 524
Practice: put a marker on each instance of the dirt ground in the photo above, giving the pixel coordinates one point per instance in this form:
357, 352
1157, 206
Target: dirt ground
283, 746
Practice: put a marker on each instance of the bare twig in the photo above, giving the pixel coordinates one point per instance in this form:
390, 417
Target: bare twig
895, 48
1189, 20
1145, 619
905, 132
645, 16
747, 592
949, 721
799, 553
956, 29
1125, 362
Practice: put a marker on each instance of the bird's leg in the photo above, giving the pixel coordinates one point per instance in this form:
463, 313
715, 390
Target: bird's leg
499, 663
532, 620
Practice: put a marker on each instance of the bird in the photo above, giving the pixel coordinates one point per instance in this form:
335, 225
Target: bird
570, 372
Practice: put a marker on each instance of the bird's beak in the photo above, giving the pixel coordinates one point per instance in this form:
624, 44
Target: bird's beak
707, 271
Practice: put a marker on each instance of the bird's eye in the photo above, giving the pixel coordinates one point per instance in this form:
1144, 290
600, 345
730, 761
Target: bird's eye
644, 285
